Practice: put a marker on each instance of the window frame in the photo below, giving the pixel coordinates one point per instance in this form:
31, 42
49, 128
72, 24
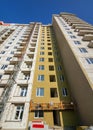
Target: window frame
41, 77
37, 112
23, 91
83, 50
41, 67
19, 112
41, 59
40, 92
89, 60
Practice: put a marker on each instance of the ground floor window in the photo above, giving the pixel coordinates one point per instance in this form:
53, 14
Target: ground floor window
39, 113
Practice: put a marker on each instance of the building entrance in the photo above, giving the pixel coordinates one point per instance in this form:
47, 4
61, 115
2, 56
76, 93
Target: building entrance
56, 117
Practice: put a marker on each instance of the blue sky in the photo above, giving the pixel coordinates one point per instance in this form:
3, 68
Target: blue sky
25, 11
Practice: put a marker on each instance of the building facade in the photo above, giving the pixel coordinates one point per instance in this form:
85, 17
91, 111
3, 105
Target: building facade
46, 73
75, 40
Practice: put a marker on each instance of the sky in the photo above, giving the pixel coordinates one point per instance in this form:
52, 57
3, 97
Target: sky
26, 11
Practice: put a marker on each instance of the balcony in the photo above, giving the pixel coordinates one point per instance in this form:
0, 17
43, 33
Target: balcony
20, 48
4, 80
22, 82
51, 106
83, 28
28, 59
32, 49
90, 45
27, 65
83, 32
1, 40
9, 69
18, 53
75, 22
22, 43
87, 37
80, 25
14, 60
24, 77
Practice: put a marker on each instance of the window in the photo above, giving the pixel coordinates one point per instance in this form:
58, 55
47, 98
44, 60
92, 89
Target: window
23, 91
67, 29
40, 92
41, 53
42, 43
4, 66
83, 50
64, 91
56, 53
77, 42
49, 44
12, 52
6, 47
41, 67
52, 78
50, 59
72, 36
42, 48
26, 76
89, 60
10, 43
53, 92
51, 67
8, 58
59, 68
2, 52
41, 59
40, 77
39, 113
61, 78
19, 112
49, 53
0, 76
69, 32
15, 47
49, 48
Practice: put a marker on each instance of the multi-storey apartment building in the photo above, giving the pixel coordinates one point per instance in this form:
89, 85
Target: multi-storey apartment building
75, 40
46, 73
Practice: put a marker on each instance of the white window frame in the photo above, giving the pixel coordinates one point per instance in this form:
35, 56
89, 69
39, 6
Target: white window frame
23, 91
19, 112
42, 53
40, 77
41, 59
39, 92
41, 67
